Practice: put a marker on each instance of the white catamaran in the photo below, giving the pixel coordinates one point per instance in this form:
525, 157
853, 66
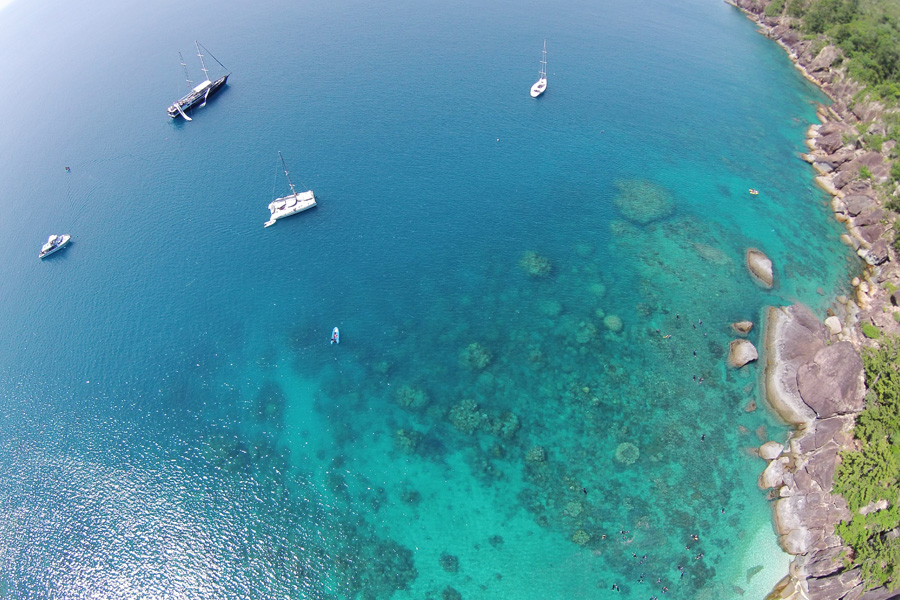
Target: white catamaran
540, 86
291, 204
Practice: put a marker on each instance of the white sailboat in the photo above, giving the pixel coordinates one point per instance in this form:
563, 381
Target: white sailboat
291, 204
540, 86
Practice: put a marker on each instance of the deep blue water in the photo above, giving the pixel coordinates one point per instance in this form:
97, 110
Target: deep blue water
174, 421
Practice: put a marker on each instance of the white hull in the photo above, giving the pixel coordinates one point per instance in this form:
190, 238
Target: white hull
540, 86
65, 242
290, 205
336, 336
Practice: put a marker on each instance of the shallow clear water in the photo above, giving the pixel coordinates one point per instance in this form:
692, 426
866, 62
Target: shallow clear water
521, 287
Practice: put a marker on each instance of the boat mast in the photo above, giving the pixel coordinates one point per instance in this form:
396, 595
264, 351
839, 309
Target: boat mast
202, 64
184, 66
544, 61
284, 166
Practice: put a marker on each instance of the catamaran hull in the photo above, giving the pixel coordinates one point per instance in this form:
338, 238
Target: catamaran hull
302, 201
195, 99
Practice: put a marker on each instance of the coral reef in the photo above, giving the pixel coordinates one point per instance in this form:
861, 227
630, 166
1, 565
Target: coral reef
573, 509
407, 440
465, 416
581, 537
535, 265
506, 425
627, 453
641, 201
536, 454
613, 323
450, 593
449, 562
476, 357
410, 397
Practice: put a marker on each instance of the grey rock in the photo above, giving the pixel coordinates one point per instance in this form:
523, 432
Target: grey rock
857, 203
773, 476
825, 562
830, 143
821, 466
879, 253
871, 233
824, 59
870, 217
834, 586
880, 593
793, 336
833, 382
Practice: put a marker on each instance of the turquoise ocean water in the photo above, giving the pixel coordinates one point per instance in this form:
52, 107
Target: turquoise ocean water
528, 293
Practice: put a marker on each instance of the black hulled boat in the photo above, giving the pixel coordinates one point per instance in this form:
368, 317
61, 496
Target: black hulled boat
200, 93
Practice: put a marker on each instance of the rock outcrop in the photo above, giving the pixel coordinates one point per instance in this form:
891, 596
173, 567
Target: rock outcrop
852, 170
741, 352
816, 383
760, 267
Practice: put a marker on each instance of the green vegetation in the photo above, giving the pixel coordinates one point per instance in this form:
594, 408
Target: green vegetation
775, 8
867, 31
870, 331
872, 474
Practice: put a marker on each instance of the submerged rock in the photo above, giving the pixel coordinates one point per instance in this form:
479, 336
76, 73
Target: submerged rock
742, 327
741, 352
760, 267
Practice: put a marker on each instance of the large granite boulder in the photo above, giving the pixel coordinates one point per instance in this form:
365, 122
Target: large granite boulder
741, 352
760, 267
773, 476
793, 337
833, 382
823, 60
839, 585
857, 203
830, 143
770, 450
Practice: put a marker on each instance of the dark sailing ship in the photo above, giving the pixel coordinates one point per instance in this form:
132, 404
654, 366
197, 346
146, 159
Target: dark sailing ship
200, 93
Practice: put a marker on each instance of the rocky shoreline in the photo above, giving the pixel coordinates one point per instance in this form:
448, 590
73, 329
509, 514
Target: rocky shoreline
814, 376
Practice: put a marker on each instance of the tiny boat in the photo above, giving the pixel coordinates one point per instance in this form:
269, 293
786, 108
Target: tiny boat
754, 192
54, 244
336, 336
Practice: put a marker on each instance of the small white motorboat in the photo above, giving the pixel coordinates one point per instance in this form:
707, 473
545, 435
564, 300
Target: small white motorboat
54, 243
336, 336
